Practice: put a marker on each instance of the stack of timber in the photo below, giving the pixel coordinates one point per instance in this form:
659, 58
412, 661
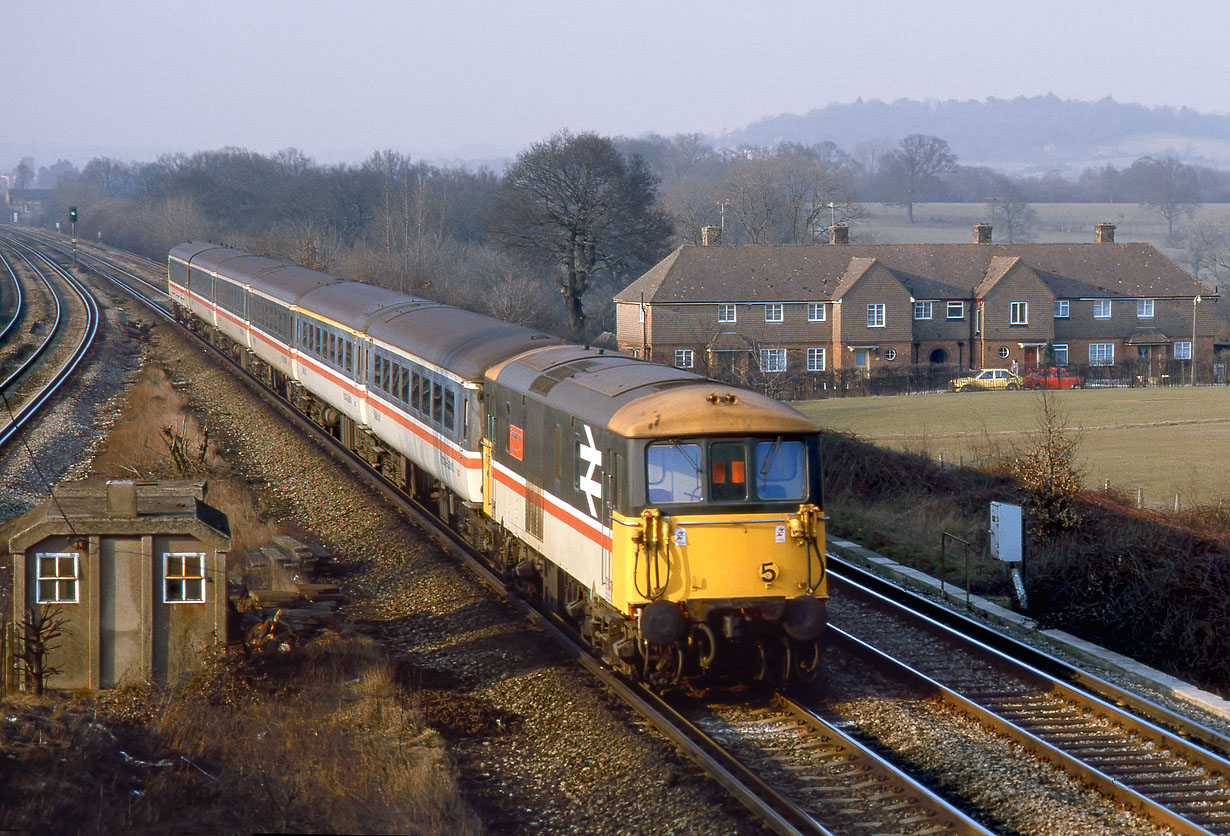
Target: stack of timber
275, 583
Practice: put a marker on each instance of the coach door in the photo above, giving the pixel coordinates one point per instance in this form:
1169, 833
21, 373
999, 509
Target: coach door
488, 486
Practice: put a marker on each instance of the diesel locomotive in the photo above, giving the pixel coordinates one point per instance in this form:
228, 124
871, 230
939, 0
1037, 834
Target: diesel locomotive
673, 521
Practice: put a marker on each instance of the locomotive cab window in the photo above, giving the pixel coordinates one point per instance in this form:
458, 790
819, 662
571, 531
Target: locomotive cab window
673, 472
727, 471
781, 469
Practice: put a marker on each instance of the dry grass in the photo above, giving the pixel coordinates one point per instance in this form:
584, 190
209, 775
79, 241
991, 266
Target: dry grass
318, 740
1060, 223
1164, 441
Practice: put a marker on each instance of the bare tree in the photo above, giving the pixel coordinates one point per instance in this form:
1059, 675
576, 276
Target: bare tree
918, 161
754, 194
1012, 215
40, 627
1166, 185
1208, 246
574, 201
24, 175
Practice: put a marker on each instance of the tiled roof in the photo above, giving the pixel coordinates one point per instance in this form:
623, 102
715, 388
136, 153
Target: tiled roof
929, 271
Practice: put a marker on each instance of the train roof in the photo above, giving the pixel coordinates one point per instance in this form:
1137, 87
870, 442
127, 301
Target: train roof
355, 304
638, 399
279, 279
464, 342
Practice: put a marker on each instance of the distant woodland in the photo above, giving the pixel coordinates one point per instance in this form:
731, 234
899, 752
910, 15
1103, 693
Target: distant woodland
576, 217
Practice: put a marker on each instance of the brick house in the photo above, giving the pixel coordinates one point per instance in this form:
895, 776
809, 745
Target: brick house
883, 308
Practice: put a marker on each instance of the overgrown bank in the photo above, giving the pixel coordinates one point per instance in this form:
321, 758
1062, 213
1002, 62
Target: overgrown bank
1145, 584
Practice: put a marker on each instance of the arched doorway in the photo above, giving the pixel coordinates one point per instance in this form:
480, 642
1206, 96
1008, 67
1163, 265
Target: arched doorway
939, 356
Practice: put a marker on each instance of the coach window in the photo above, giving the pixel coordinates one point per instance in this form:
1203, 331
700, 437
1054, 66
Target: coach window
437, 403
396, 379
450, 409
415, 384
727, 471
405, 385
672, 472
349, 356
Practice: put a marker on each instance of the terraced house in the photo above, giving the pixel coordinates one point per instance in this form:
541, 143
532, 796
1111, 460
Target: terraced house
877, 308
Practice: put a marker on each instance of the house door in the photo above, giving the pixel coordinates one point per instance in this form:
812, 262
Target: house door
120, 610
1145, 355
1031, 357
861, 358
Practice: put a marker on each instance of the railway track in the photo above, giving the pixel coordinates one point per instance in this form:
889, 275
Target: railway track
49, 363
1137, 753
800, 772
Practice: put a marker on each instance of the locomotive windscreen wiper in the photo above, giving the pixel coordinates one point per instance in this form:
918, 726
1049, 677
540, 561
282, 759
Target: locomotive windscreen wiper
768, 460
695, 464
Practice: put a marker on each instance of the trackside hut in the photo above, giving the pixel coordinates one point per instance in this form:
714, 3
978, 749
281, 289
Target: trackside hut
137, 572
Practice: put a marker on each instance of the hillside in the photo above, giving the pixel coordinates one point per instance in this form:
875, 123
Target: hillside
1018, 136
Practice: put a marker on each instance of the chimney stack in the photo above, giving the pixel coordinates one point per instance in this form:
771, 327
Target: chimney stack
1104, 233
121, 498
982, 233
839, 234
710, 236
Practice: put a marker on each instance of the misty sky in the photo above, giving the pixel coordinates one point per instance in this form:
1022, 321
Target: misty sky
467, 79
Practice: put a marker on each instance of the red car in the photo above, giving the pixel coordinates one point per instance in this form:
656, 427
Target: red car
1052, 377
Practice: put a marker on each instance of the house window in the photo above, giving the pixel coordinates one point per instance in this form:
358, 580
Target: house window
640, 313
772, 359
1003, 352
956, 310
1061, 309
1183, 351
1102, 354
773, 312
683, 358
1144, 308
815, 312
815, 359
1019, 313
183, 575
57, 577
1101, 309
890, 354
922, 310
726, 313
1061, 354
875, 316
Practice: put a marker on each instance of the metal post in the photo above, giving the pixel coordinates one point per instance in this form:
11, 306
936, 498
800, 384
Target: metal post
1192, 359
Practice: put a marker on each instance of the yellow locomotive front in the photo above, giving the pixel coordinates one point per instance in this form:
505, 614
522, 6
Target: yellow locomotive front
722, 564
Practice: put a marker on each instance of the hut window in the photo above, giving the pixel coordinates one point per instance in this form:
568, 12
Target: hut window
183, 577
57, 578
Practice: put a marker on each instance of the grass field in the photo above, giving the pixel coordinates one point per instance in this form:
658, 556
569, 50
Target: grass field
1060, 223
1165, 441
